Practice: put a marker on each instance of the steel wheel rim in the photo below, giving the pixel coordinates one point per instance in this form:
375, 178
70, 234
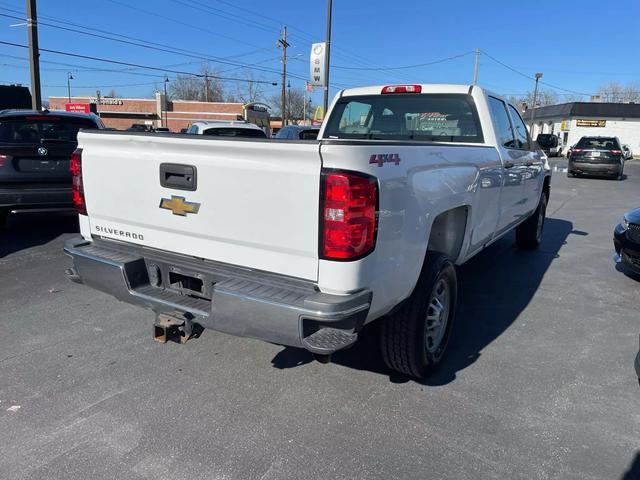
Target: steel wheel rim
437, 318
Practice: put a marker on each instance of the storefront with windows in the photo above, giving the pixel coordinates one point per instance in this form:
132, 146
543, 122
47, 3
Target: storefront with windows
572, 121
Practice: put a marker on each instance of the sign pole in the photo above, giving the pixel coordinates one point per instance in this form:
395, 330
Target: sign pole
327, 59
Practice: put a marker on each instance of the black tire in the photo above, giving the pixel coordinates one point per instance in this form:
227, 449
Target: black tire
570, 174
405, 335
529, 232
620, 176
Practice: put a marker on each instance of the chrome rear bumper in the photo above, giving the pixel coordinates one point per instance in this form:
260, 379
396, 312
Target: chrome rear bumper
235, 300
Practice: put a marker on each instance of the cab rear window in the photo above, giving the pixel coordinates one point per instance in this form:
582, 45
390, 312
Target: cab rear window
418, 117
34, 129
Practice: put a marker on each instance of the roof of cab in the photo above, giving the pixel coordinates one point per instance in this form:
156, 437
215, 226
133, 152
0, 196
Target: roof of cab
426, 88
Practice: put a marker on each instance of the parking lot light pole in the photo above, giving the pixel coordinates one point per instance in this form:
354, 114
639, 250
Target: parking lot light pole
69, 78
535, 100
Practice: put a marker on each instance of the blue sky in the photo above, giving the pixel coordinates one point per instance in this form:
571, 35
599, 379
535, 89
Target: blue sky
577, 45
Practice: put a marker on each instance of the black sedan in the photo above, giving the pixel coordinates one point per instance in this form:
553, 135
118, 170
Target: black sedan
601, 156
35, 151
626, 240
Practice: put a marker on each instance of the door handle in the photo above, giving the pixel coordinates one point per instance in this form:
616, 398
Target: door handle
177, 176
508, 164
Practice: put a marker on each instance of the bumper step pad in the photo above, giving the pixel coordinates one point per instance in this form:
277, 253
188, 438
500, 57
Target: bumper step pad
329, 340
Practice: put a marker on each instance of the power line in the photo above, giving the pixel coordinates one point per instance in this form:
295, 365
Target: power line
118, 62
530, 77
174, 20
168, 48
434, 62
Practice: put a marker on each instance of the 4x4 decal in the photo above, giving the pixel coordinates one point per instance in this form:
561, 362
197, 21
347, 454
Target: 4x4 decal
383, 158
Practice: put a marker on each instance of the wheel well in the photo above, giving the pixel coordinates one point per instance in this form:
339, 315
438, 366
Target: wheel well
447, 232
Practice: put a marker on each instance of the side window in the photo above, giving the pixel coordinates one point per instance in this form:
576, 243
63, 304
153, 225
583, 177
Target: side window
522, 140
504, 132
354, 118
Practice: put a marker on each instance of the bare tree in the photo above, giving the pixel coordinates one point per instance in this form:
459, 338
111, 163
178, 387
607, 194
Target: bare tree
294, 104
545, 97
618, 93
187, 87
250, 91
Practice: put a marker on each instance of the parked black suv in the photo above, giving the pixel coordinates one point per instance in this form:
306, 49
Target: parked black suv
600, 156
35, 149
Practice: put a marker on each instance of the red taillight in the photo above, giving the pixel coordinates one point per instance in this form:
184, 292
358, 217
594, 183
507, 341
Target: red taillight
348, 223
76, 187
402, 89
3, 160
576, 150
616, 152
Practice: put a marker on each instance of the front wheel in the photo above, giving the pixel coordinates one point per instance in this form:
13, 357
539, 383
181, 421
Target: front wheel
414, 339
529, 232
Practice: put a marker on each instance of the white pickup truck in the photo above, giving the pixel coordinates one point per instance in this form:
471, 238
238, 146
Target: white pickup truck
302, 243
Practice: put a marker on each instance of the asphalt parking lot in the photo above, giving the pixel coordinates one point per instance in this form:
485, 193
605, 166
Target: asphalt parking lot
539, 382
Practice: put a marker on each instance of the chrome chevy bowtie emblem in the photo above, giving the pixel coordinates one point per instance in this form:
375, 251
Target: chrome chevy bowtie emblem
42, 151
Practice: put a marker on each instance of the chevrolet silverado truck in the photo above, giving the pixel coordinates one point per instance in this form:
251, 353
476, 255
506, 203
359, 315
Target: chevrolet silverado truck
303, 243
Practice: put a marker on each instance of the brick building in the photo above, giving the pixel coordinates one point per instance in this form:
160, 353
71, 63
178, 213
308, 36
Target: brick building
121, 113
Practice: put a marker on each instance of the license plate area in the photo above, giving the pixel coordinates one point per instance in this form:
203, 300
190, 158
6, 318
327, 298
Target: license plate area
594, 154
181, 280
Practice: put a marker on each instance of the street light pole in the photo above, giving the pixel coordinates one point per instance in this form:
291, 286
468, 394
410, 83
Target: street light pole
475, 68
535, 100
327, 59
69, 78
166, 80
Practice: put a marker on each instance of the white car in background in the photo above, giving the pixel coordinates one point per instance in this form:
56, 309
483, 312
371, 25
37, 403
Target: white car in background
223, 128
626, 152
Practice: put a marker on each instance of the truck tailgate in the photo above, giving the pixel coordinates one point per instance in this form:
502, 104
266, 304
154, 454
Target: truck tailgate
257, 201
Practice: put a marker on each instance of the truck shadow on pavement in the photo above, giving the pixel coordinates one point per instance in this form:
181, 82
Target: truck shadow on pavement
30, 230
494, 288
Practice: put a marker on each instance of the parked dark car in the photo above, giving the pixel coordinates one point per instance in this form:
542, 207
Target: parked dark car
14, 96
35, 152
298, 132
626, 240
601, 156
549, 144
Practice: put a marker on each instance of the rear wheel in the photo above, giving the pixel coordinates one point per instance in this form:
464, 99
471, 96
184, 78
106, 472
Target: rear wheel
529, 233
414, 339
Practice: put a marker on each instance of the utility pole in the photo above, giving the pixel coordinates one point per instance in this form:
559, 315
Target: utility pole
304, 105
535, 100
475, 69
282, 43
289, 99
206, 85
327, 58
34, 54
